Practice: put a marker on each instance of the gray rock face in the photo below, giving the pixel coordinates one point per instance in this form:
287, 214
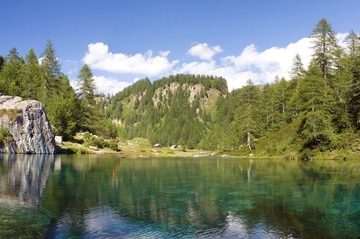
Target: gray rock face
28, 126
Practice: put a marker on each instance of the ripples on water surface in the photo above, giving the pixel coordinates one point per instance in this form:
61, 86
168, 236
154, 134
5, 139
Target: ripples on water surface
107, 197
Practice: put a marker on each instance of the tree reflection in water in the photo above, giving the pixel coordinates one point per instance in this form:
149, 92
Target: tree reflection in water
103, 196
204, 198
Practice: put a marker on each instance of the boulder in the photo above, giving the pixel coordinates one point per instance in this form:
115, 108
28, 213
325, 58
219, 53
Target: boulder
24, 127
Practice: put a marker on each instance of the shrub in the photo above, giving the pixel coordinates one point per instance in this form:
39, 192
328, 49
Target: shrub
99, 142
92, 140
306, 154
112, 145
5, 136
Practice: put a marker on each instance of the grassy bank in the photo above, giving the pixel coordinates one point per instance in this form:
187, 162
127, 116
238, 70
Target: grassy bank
286, 143
137, 147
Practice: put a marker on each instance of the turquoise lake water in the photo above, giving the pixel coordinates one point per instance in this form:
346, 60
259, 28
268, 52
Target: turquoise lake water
93, 196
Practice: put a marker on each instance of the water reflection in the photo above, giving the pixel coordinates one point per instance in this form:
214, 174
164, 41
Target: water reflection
23, 177
166, 198
106, 197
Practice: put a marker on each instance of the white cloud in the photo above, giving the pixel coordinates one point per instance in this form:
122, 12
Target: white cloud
74, 83
259, 66
341, 39
99, 57
235, 78
109, 85
204, 51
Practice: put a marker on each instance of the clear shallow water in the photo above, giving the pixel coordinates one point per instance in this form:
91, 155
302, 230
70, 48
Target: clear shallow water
107, 197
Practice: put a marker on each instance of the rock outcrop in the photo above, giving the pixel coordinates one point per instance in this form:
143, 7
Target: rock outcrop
26, 125
207, 97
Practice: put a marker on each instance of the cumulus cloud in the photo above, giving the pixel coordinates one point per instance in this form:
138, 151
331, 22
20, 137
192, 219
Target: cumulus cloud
341, 39
99, 57
235, 78
259, 66
204, 51
109, 85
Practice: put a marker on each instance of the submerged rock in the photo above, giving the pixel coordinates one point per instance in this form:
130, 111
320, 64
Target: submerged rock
24, 127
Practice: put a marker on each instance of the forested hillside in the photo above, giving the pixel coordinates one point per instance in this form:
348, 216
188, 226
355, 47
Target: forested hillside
316, 110
173, 110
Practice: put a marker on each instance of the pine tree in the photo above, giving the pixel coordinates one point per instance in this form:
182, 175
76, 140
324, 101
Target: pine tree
33, 78
324, 41
49, 60
13, 56
86, 84
297, 69
268, 106
247, 115
10, 75
64, 110
340, 90
353, 41
312, 94
316, 127
52, 72
297, 75
89, 109
282, 99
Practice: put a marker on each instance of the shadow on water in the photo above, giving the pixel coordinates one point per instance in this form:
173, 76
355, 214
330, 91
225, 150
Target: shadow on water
106, 197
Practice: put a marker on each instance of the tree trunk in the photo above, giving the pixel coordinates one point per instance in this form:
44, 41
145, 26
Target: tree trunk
249, 140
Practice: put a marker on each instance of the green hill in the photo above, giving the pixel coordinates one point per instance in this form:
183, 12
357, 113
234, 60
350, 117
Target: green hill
173, 110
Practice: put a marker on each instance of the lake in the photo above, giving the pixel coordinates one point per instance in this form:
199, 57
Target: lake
91, 196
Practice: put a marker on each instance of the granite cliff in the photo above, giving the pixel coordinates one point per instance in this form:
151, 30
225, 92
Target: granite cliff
24, 127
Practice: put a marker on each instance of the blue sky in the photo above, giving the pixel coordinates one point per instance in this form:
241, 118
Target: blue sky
236, 39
